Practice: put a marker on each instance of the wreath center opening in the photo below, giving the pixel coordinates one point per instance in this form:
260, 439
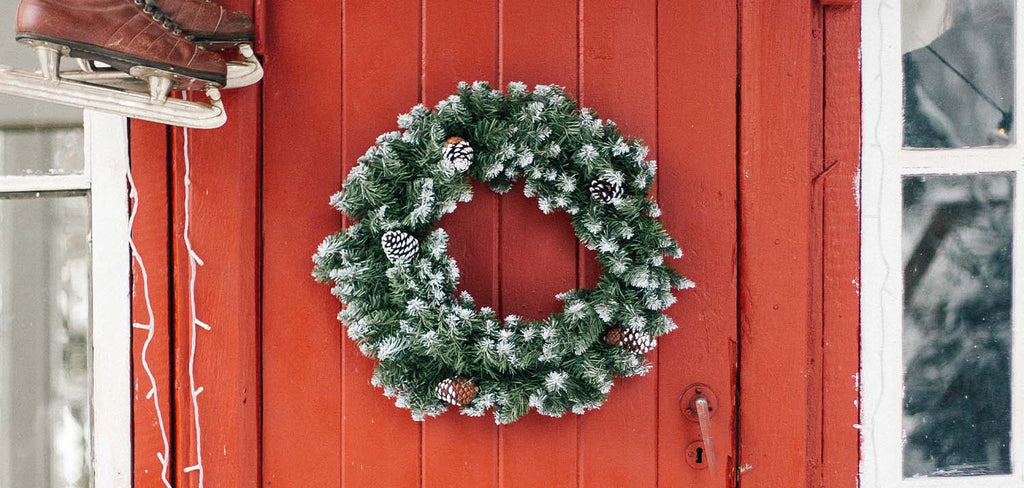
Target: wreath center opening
523, 257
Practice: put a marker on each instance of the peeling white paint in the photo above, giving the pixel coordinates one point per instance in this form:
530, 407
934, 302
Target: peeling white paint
856, 186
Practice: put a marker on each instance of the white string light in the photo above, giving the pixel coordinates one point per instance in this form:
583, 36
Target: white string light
193, 262
150, 328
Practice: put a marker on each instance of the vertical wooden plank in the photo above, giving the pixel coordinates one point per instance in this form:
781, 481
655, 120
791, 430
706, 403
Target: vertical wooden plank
841, 241
381, 43
537, 253
813, 371
697, 83
152, 432
302, 164
619, 80
225, 234
460, 43
777, 149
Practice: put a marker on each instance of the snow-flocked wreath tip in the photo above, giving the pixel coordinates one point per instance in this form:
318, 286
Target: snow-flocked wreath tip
435, 347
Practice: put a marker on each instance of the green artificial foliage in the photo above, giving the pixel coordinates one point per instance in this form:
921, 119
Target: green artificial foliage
406, 314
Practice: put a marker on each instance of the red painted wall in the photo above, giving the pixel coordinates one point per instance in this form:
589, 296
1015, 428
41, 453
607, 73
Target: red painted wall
750, 108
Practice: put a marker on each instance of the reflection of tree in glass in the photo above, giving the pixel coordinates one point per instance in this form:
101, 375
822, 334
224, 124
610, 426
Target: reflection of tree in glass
957, 282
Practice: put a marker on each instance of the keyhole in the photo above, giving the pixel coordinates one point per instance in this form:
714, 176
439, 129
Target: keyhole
697, 456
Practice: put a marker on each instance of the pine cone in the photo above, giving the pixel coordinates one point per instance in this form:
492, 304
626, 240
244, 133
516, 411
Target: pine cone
458, 391
399, 246
635, 341
457, 153
605, 191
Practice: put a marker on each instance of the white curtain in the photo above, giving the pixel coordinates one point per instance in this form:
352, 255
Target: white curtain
923, 21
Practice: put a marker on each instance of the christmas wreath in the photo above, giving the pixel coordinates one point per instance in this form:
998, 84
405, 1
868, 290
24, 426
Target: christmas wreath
392, 271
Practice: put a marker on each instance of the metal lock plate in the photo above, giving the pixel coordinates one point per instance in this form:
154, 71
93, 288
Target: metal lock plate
688, 400
696, 455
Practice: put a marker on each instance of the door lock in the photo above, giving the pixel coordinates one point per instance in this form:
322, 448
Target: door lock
698, 403
697, 455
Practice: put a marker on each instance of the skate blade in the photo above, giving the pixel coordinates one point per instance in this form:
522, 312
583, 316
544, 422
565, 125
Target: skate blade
183, 78
129, 102
178, 82
240, 74
244, 73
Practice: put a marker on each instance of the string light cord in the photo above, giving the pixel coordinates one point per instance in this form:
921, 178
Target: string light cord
1007, 119
150, 328
194, 261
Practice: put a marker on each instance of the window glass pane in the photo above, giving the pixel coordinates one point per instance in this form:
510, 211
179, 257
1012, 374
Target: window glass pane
42, 151
958, 67
29, 115
957, 272
44, 342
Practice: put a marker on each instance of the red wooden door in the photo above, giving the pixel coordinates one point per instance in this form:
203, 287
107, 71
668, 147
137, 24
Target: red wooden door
658, 71
729, 95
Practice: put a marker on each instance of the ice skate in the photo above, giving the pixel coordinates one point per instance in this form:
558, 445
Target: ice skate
213, 27
147, 53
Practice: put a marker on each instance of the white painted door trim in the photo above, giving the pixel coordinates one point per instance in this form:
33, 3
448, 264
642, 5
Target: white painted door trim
106, 159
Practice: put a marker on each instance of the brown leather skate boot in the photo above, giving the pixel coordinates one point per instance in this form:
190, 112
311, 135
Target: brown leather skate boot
129, 35
208, 24
214, 27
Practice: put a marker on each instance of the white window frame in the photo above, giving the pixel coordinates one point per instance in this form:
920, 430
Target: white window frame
884, 163
103, 178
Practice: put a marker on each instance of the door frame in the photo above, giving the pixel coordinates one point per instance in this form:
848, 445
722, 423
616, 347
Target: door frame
799, 257
106, 153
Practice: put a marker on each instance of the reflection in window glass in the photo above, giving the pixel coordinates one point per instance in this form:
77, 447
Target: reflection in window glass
45, 386
16, 112
958, 73
44, 342
957, 238
33, 152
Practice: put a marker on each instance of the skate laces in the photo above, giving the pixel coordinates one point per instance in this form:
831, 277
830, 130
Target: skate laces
159, 16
